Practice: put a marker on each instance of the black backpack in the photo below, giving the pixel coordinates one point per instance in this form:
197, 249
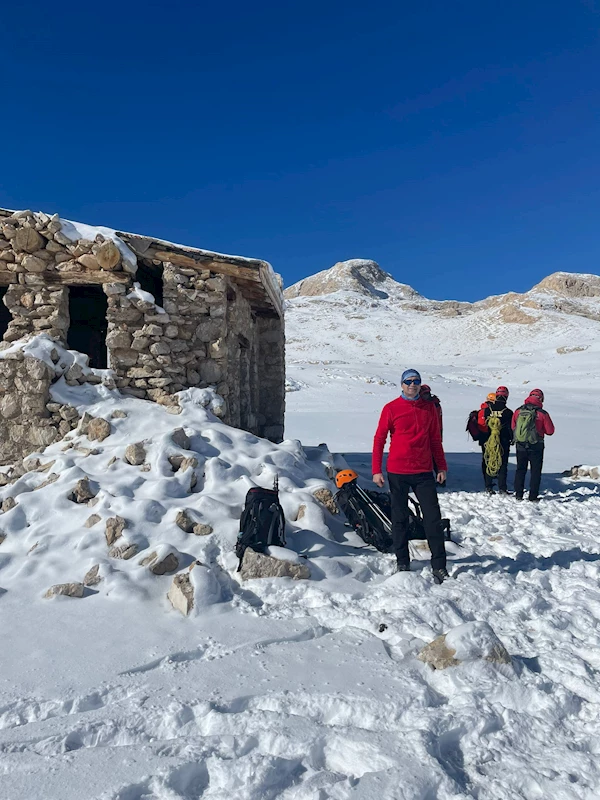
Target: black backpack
262, 522
370, 513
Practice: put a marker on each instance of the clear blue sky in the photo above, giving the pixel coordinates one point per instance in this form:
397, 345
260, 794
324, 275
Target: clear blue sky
456, 143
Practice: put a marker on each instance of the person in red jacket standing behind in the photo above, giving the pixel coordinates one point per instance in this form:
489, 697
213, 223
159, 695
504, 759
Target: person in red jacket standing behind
530, 423
425, 394
416, 443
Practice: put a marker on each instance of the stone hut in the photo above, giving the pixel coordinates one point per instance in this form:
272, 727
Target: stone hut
161, 317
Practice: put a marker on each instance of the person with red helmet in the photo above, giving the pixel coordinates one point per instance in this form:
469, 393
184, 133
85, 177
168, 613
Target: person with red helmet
530, 423
495, 406
416, 443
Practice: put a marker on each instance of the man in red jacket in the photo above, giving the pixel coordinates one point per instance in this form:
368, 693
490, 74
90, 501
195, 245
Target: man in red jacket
415, 444
530, 423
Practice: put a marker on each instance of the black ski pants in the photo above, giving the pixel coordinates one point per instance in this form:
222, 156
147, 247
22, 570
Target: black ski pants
423, 485
502, 472
532, 456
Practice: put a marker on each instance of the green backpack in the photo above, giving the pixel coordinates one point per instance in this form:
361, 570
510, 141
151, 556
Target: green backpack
525, 430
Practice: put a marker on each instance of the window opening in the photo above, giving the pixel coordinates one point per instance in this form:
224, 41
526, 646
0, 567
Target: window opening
150, 280
87, 329
5, 315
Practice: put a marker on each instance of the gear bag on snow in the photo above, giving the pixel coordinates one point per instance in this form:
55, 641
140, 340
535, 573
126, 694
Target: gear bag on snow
473, 426
262, 522
525, 429
370, 514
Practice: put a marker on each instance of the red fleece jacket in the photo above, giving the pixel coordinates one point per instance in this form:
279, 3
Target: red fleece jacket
416, 441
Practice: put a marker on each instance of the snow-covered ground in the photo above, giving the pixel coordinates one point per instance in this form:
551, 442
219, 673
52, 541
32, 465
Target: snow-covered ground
310, 690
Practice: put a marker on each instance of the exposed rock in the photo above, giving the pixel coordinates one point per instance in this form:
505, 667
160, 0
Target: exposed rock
468, 642
260, 565
82, 492
114, 529
181, 594
2, 537
8, 503
84, 423
583, 472
201, 529
66, 590
118, 414
184, 521
135, 454
181, 439
52, 478
92, 520
92, 576
33, 264
124, 551
88, 261
98, 429
301, 512
325, 497
159, 567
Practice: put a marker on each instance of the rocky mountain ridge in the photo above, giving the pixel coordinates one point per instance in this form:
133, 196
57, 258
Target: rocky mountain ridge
569, 293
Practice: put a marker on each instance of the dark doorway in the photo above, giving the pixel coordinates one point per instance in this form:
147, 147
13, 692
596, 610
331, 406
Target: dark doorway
150, 280
87, 330
5, 315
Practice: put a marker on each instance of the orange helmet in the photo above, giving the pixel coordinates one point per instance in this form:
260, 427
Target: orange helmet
345, 476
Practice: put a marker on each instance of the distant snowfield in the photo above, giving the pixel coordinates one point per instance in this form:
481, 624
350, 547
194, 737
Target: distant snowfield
311, 690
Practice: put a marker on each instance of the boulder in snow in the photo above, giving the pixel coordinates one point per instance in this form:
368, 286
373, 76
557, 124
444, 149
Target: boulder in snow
468, 642
114, 529
325, 497
201, 529
2, 537
92, 576
8, 503
135, 454
260, 565
160, 566
123, 551
66, 589
82, 491
184, 521
98, 429
92, 520
181, 439
181, 594
118, 414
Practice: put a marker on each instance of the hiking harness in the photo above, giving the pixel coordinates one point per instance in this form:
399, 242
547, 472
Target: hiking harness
492, 453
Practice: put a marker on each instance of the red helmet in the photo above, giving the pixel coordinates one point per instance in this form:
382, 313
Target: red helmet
425, 389
345, 476
502, 391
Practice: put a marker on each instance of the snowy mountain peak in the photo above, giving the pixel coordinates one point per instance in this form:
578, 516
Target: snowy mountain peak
359, 275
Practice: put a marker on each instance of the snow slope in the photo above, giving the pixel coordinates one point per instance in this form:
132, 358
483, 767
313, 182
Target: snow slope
311, 690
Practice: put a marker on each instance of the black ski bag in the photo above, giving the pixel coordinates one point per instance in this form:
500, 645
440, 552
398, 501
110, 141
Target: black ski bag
370, 514
262, 522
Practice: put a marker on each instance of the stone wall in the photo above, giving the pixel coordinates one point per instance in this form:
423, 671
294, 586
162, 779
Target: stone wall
206, 334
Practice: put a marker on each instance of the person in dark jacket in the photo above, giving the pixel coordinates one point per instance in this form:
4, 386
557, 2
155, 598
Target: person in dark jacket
415, 444
425, 394
529, 440
495, 406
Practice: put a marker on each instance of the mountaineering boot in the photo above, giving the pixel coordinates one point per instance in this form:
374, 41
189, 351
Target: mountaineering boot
440, 575
489, 490
402, 567
518, 497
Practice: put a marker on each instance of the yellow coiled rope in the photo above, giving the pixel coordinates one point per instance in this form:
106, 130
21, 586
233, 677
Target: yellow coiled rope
493, 449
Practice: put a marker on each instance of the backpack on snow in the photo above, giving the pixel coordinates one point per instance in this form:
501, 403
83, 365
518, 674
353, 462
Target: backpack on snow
525, 429
262, 523
370, 514
473, 426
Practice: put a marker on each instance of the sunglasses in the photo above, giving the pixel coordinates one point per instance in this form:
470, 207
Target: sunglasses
410, 381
